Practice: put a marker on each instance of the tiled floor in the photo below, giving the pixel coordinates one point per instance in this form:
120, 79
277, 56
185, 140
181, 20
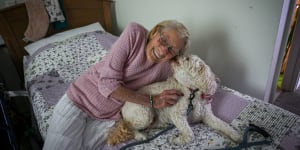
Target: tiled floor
289, 101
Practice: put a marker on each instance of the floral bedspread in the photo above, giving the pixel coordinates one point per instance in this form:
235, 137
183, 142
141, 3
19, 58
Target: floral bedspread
50, 70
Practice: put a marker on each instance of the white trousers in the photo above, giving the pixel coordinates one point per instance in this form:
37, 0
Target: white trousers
72, 129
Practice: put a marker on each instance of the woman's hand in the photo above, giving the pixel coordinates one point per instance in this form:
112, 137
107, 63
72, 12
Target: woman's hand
166, 98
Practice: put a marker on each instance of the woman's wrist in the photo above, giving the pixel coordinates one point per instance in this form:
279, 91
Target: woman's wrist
151, 102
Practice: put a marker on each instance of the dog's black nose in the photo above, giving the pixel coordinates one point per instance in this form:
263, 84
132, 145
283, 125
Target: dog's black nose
176, 59
187, 58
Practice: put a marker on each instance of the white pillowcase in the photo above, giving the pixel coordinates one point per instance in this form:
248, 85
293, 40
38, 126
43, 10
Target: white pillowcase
31, 48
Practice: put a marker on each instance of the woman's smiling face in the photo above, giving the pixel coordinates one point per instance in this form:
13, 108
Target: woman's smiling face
164, 45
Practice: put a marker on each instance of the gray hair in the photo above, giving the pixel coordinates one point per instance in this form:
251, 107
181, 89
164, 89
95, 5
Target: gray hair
179, 27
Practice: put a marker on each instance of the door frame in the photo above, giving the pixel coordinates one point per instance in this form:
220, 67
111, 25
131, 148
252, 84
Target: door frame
291, 75
279, 49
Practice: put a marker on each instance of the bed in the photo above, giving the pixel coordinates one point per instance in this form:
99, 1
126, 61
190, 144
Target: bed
49, 65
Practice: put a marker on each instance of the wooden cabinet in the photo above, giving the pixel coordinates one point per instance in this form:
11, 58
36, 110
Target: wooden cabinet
13, 23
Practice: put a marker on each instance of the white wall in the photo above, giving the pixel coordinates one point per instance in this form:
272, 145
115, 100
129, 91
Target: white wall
235, 37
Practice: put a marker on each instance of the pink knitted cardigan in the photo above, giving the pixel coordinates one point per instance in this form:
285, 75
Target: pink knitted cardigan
126, 65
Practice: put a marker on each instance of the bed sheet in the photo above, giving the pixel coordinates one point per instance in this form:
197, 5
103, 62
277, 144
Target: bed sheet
50, 70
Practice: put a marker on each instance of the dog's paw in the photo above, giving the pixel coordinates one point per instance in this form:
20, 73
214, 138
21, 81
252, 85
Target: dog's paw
236, 137
139, 136
180, 140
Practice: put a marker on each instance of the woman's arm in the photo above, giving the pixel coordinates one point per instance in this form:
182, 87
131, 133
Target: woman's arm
164, 99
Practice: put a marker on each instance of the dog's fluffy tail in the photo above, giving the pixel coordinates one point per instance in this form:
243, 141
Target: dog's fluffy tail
120, 132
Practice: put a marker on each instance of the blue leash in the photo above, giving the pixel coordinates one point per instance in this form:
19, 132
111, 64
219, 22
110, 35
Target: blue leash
190, 108
244, 144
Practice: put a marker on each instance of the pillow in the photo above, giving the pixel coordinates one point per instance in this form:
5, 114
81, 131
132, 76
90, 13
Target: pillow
31, 48
68, 57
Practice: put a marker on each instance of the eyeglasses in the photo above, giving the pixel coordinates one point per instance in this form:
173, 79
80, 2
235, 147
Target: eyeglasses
164, 42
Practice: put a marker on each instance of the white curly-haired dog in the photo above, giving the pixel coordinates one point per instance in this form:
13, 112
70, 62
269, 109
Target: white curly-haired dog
190, 73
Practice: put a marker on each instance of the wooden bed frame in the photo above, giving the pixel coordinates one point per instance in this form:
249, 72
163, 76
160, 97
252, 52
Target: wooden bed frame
14, 21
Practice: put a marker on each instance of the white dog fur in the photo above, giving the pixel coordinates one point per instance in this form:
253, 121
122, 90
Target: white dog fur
190, 72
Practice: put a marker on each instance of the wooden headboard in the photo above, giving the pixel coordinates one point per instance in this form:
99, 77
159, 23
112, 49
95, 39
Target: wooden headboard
14, 21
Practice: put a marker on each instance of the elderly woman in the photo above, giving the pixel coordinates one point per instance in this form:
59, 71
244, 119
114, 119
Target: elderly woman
93, 101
